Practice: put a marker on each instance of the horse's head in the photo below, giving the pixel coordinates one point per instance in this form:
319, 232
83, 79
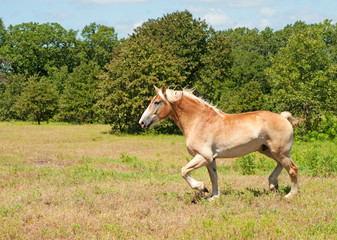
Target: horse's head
158, 110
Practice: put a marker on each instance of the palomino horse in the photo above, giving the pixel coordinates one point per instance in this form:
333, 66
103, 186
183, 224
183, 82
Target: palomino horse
212, 134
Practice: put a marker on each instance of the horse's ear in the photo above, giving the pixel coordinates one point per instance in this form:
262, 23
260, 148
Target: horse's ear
163, 89
157, 89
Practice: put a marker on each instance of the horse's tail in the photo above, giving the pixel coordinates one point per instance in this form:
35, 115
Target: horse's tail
295, 122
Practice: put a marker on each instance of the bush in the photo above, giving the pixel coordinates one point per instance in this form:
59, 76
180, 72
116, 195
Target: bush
246, 164
318, 164
316, 158
325, 130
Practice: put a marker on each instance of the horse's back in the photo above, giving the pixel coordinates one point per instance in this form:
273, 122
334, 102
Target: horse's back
265, 120
247, 132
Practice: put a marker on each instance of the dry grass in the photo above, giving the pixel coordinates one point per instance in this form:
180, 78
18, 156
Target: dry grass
79, 182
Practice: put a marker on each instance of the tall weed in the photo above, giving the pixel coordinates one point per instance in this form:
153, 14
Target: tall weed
316, 159
253, 163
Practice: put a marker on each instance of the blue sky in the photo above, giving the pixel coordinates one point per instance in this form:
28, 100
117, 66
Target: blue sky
125, 15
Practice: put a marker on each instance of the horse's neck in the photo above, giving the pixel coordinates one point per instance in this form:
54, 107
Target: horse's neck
185, 112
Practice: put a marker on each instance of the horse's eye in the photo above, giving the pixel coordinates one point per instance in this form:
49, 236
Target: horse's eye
156, 102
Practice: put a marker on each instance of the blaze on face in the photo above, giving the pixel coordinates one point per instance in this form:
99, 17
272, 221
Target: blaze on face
157, 110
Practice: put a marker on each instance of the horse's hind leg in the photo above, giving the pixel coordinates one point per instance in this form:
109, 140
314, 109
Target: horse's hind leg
273, 178
214, 179
283, 158
283, 161
292, 169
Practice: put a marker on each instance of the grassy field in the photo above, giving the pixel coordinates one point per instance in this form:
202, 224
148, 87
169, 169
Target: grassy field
79, 182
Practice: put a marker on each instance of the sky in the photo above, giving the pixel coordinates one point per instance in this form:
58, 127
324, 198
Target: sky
126, 15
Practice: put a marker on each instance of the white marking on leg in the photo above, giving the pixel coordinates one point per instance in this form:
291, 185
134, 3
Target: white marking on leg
292, 169
197, 162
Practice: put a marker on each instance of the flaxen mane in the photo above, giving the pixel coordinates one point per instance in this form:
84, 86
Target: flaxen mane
173, 96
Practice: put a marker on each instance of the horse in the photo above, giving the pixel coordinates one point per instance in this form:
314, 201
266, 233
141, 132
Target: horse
211, 134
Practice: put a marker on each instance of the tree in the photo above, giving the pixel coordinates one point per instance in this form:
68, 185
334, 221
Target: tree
303, 76
10, 89
167, 50
37, 102
58, 77
98, 43
32, 48
216, 71
3, 63
128, 85
80, 94
233, 61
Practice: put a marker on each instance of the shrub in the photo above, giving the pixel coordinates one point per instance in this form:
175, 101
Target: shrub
246, 164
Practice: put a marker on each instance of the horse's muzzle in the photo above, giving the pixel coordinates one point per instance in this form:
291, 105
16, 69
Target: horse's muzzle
143, 125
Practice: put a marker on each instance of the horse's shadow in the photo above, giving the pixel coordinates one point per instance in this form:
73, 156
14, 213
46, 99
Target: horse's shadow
254, 191
198, 196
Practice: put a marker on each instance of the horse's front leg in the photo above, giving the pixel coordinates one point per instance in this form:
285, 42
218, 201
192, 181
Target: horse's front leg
197, 162
214, 179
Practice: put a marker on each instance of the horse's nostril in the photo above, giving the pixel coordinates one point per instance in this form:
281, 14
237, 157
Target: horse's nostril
142, 123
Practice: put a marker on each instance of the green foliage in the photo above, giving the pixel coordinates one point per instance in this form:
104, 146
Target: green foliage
326, 130
80, 94
32, 48
37, 102
70, 64
131, 160
253, 163
303, 76
319, 165
246, 88
216, 68
328, 127
246, 164
10, 90
316, 158
98, 43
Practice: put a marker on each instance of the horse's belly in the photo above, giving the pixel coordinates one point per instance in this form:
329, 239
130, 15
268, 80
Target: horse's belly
231, 151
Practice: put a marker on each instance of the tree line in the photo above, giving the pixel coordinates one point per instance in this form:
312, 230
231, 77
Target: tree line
48, 72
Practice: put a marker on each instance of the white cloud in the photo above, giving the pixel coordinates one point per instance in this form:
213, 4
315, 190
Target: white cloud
264, 23
126, 28
267, 12
123, 29
138, 24
216, 17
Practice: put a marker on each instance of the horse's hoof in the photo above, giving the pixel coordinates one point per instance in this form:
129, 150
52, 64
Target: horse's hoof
290, 195
273, 187
205, 190
213, 197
